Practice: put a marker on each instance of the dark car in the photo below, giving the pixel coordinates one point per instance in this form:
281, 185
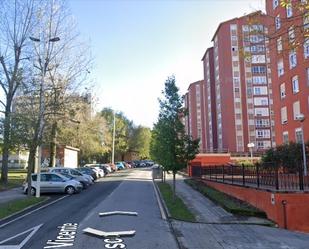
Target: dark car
88, 171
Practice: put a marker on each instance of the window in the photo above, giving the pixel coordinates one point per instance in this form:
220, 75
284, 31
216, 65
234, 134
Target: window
262, 123
282, 90
284, 115
256, 38
279, 44
277, 22
261, 111
292, 59
257, 48
296, 109
260, 101
260, 144
259, 58
259, 80
295, 84
306, 48
291, 33
259, 69
298, 135
263, 133
289, 10
280, 68
260, 90
275, 3
285, 137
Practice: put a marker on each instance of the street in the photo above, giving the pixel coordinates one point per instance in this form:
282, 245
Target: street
61, 224
122, 211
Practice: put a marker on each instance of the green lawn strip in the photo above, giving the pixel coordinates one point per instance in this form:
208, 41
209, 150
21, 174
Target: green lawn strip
16, 179
177, 208
229, 203
12, 207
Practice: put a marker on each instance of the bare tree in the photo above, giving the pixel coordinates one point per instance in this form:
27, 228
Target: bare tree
60, 67
16, 21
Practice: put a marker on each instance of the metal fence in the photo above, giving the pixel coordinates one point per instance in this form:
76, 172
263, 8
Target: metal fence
257, 176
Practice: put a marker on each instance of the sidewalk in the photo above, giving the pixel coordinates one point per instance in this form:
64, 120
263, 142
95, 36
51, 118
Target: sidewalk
11, 195
216, 228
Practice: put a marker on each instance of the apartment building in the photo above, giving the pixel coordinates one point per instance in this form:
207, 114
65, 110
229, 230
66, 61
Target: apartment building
210, 101
195, 120
289, 54
241, 84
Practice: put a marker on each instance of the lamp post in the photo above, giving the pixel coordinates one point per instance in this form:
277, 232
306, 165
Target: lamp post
114, 132
44, 66
251, 146
301, 118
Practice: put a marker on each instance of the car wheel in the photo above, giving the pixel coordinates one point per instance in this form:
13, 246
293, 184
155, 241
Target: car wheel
70, 190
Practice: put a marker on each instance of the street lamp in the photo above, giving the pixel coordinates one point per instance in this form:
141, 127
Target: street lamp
42, 107
114, 132
251, 146
301, 118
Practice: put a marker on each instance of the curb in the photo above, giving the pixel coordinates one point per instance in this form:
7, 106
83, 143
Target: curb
161, 202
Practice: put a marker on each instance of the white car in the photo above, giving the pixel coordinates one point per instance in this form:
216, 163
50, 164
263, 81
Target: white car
108, 167
100, 172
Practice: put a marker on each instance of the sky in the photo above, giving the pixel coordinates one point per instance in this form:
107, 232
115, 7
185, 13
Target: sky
137, 44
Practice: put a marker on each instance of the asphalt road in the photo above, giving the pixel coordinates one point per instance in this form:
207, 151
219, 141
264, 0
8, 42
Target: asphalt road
61, 224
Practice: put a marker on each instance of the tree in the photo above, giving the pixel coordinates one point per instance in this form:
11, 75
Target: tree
170, 146
59, 66
123, 130
140, 141
15, 24
288, 156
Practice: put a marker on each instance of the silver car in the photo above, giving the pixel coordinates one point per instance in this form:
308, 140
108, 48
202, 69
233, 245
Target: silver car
75, 174
53, 183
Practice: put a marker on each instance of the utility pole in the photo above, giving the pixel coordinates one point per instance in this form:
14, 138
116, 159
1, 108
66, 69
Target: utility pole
114, 132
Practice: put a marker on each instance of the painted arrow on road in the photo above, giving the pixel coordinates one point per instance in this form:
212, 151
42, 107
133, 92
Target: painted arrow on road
101, 233
25, 240
118, 213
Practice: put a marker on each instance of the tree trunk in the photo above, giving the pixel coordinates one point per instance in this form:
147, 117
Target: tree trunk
174, 186
53, 145
6, 143
31, 163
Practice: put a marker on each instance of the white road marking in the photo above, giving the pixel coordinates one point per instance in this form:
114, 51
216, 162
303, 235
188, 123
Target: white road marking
33, 229
31, 212
118, 213
101, 233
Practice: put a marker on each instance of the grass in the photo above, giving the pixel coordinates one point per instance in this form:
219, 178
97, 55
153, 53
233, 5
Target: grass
228, 202
177, 208
12, 207
16, 178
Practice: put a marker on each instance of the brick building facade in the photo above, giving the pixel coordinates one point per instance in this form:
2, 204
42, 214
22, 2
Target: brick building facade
289, 52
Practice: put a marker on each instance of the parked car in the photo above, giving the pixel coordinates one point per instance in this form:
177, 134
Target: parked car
96, 168
88, 171
120, 165
108, 167
149, 163
53, 183
82, 178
